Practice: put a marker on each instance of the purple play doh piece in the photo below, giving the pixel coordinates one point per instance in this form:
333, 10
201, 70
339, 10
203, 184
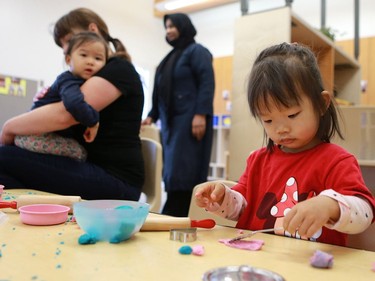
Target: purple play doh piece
321, 259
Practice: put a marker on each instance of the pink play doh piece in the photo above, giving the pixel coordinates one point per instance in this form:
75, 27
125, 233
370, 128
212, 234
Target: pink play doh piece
198, 250
251, 245
43, 214
321, 259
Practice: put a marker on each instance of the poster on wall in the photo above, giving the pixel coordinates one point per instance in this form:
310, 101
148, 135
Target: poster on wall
13, 86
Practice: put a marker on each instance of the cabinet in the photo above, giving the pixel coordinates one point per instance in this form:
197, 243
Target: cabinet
16, 95
254, 32
359, 131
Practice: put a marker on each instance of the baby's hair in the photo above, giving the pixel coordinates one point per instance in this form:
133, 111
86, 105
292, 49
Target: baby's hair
280, 74
86, 37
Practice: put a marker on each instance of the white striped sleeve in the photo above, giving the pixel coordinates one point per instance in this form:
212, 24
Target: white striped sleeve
232, 207
355, 213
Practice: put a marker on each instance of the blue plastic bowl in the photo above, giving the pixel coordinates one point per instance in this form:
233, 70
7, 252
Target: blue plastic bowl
110, 220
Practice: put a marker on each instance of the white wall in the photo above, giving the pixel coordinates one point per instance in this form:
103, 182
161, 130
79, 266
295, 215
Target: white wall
27, 48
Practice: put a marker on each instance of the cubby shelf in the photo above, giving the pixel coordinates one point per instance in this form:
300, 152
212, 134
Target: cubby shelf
220, 146
341, 76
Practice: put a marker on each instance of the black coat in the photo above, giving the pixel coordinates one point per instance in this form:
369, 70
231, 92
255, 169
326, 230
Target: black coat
186, 160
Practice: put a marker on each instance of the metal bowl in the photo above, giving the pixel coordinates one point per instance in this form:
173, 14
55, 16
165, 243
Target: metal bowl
241, 273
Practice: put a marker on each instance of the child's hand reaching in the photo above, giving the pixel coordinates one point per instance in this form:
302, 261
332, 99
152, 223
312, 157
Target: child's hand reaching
310, 215
90, 133
209, 193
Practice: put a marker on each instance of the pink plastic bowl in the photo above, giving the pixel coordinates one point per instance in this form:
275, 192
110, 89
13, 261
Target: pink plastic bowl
43, 214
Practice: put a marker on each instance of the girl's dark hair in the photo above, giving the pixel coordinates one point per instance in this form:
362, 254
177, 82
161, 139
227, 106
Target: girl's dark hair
81, 18
280, 74
86, 37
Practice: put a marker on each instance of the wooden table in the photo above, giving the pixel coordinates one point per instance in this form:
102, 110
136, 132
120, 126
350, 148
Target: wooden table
53, 253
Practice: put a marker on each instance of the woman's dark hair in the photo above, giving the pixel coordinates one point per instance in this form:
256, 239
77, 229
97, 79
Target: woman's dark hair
280, 74
81, 18
86, 37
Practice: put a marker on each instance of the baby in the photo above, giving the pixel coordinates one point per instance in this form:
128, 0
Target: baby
86, 55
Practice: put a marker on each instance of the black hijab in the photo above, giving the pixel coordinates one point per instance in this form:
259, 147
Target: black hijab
185, 27
165, 69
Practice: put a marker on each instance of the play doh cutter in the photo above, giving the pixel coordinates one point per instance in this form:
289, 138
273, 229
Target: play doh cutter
183, 234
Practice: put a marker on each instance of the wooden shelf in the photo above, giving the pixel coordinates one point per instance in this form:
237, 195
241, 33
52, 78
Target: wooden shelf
254, 32
341, 73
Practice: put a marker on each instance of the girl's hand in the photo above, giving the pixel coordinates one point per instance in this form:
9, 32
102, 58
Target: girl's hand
308, 216
209, 193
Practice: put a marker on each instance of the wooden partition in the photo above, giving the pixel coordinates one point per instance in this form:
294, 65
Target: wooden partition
223, 67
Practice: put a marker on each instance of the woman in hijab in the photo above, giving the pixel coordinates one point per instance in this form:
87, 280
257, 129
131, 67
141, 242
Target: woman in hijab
183, 101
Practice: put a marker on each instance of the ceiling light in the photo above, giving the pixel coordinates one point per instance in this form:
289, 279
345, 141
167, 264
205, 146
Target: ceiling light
170, 5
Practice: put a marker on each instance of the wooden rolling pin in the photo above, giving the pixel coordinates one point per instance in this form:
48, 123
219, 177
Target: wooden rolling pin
31, 199
155, 222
